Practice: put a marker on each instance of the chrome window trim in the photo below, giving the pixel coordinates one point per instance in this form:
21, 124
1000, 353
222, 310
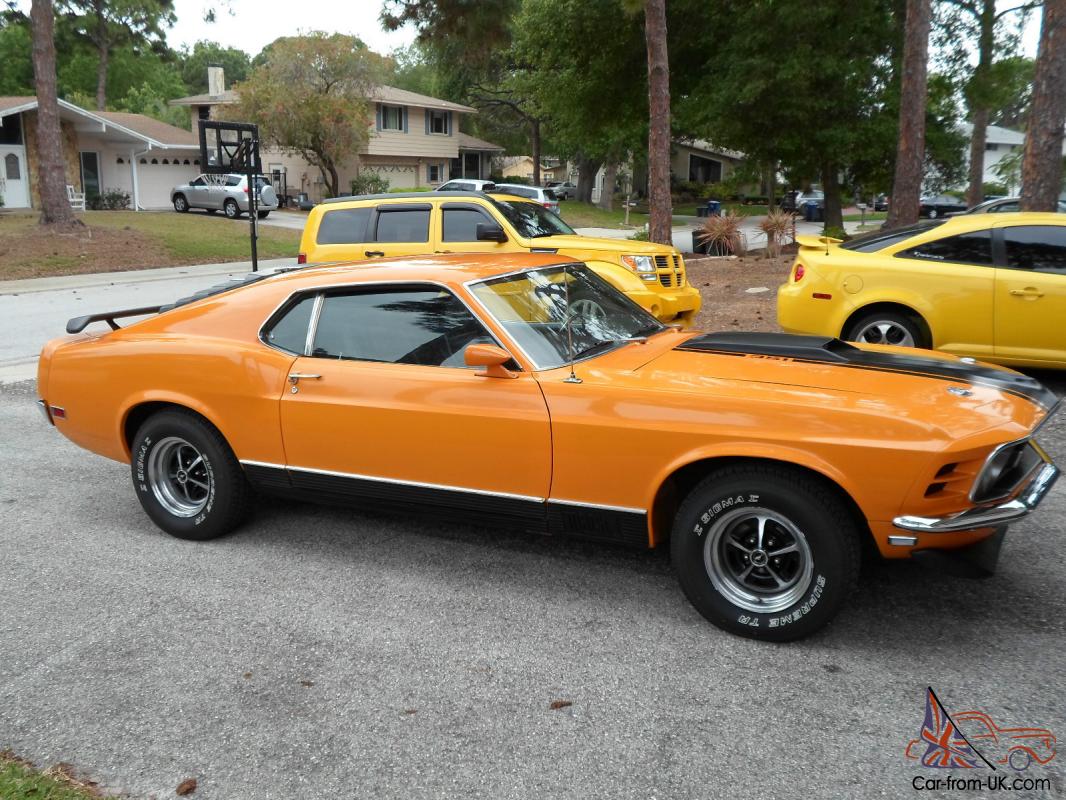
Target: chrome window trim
322, 291
445, 487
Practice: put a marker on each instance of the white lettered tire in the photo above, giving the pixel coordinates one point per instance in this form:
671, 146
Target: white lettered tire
765, 551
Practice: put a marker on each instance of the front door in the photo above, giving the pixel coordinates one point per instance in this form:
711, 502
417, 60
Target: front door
90, 174
14, 184
385, 409
458, 230
1030, 299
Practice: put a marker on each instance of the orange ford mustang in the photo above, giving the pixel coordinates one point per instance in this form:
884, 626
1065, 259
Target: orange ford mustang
527, 392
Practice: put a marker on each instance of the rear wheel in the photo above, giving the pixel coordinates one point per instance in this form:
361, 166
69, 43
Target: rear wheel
262, 214
181, 205
765, 551
187, 478
887, 327
231, 209
933, 213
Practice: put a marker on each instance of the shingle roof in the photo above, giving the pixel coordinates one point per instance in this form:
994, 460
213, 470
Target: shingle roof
9, 103
152, 128
468, 142
228, 96
384, 94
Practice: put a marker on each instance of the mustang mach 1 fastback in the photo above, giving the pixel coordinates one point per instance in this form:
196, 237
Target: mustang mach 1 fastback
525, 391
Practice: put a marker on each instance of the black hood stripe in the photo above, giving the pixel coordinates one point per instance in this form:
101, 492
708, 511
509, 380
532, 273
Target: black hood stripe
824, 350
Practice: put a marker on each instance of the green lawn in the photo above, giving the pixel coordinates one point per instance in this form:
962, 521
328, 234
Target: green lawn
19, 781
589, 215
870, 216
125, 240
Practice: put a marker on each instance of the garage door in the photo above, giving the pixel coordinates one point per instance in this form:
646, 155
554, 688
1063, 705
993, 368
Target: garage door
401, 177
157, 179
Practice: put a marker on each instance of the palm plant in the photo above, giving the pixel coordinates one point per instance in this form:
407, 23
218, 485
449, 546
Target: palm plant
721, 234
778, 225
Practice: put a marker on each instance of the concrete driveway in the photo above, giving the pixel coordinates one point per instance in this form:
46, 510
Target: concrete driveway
327, 653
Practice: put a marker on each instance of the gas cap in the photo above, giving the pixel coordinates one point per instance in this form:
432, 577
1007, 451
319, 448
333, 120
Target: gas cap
852, 284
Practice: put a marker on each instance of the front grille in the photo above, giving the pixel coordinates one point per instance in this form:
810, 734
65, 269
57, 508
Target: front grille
661, 262
669, 276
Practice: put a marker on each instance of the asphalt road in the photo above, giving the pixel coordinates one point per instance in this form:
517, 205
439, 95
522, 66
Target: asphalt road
324, 653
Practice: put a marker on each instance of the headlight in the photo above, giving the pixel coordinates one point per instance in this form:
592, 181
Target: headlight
640, 263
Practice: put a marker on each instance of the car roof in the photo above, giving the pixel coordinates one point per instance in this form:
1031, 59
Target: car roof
426, 196
449, 269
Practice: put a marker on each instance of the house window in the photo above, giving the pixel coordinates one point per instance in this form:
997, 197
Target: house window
437, 122
991, 147
11, 167
391, 118
11, 129
203, 112
433, 172
704, 170
119, 160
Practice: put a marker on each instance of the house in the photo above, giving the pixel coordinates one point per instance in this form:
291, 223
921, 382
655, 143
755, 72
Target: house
551, 169
699, 161
414, 141
104, 150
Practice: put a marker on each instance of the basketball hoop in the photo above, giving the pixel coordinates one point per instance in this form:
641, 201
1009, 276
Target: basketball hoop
233, 147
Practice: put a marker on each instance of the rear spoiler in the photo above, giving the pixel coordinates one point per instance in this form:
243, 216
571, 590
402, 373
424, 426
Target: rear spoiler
818, 242
78, 324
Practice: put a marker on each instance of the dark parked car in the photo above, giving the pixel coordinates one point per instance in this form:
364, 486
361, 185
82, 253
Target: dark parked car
880, 203
1002, 205
940, 205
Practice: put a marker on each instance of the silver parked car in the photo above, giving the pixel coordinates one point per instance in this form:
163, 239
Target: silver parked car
466, 185
564, 190
225, 193
538, 194
1000, 205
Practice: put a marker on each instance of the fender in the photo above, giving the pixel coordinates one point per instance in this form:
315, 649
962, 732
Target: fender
868, 297
161, 396
621, 278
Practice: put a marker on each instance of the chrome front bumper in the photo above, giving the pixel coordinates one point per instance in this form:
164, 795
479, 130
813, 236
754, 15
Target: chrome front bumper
987, 516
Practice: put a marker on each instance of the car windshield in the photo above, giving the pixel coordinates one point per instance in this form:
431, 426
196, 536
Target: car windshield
558, 311
530, 220
878, 240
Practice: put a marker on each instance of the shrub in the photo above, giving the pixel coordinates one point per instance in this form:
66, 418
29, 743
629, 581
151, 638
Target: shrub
641, 235
721, 234
778, 226
994, 189
397, 189
110, 200
369, 183
520, 179
837, 233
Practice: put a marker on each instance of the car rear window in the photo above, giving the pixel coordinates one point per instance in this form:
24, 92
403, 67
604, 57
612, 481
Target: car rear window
965, 248
344, 226
403, 226
519, 191
879, 240
550, 195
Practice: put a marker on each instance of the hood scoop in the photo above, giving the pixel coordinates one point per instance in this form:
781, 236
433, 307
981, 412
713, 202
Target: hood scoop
830, 351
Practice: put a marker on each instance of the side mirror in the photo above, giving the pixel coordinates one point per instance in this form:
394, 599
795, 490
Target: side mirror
488, 232
491, 357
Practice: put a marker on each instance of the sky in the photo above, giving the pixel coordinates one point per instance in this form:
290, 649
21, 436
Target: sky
251, 24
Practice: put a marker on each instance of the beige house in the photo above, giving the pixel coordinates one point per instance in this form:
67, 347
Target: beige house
414, 141
104, 150
522, 166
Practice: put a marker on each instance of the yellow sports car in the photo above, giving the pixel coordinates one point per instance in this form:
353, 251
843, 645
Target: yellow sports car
988, 286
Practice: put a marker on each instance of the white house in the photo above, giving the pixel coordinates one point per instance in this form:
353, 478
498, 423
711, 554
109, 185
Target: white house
103, 149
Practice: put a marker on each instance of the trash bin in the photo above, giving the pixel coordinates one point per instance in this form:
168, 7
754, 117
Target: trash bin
714, 208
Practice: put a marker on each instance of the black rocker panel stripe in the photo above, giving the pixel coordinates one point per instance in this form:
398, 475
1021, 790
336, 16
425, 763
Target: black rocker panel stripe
606, 525
826, 350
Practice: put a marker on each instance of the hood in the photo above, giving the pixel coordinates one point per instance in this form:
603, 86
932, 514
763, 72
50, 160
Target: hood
897, 387
601, 244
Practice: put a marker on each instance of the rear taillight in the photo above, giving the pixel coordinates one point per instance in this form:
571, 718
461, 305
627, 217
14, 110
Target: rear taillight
546, 205
799, 272
301, 258
246, 190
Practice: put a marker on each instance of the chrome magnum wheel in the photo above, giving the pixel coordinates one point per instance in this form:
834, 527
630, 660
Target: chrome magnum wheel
179, 477
765, 550
186, 477
758, 559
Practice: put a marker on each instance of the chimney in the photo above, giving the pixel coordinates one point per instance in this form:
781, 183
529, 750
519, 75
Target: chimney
216, 81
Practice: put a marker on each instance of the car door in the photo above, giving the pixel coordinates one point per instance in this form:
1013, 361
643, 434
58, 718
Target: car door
953, 279
399, 229
458, 230
197, 191
1030, 296
383, 407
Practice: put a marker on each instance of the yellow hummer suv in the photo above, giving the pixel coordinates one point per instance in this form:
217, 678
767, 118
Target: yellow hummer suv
418, 223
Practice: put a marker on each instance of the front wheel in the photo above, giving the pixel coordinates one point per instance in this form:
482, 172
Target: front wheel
231, 209
765, 551
887, 327
186, 477
181, 205
933, 213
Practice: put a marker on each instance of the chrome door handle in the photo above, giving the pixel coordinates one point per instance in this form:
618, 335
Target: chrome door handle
1027, 292
373, 253
295, 377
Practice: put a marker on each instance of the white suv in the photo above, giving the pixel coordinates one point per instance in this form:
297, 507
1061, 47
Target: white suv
538, 194
466, 185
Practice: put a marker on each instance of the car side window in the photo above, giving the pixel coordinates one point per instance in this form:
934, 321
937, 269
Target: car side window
460, 224
199, 181
344, 226
403, 226
1037, 248
964, 248
422, 325
233, 180
1006, 208
518, 192
289, 332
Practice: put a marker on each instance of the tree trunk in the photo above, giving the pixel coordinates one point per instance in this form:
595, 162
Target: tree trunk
979, 111
1042, 163
771, 185
586, 177
101, 79
659, 207
834, 213
51, 168
534, 146
610, 176
910, 152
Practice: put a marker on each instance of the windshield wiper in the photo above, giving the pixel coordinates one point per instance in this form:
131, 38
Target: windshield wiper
542, 234
606, 343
